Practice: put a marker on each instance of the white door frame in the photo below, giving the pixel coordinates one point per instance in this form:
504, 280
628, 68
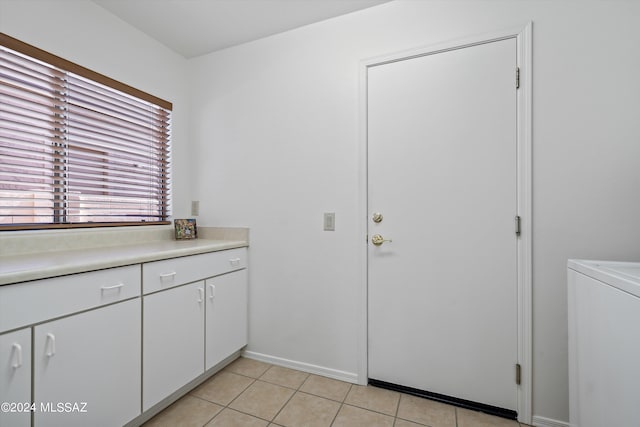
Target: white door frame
523, 36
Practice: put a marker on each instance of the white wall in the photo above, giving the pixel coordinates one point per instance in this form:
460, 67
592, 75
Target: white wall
94, 38
272, 143
275, 132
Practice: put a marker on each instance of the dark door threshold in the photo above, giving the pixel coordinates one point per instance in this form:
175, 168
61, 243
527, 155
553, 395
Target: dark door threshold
467, 404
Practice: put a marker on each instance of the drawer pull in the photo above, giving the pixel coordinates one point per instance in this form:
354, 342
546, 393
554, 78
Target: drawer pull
18, 351
212, 295
106, 288
234, 262
167, 275
51, 344
200, 294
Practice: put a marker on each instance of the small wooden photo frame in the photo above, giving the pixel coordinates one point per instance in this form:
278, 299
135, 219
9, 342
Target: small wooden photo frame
186, 229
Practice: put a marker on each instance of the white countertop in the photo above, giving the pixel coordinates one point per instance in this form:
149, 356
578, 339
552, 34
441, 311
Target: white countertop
25, 267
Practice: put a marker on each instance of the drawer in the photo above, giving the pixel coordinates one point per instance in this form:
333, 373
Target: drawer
165, 274
32, 302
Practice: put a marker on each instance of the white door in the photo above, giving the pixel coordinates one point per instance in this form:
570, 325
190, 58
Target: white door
172, 340
90, 358
226, 316
442, 172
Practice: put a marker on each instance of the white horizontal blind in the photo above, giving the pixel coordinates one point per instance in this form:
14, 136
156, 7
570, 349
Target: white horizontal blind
74, 151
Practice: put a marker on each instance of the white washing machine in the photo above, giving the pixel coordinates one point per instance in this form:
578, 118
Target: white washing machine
604, 343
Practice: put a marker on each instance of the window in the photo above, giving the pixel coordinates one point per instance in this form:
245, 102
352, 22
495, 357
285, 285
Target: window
78, 149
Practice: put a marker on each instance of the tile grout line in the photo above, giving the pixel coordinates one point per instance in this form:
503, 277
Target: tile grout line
295, 391
291, 397
254, 380
395, 415
336, 415
366, 409
230, 402
199, 398
341, 405
283, 406
240, 394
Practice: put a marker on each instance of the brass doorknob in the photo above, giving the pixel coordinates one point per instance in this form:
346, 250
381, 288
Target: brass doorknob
377, 239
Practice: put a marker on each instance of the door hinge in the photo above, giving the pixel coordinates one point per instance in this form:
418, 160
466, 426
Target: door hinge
518, 374
518, 78
517, 225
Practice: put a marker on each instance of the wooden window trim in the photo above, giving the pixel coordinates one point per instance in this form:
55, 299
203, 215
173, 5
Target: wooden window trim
42, 55
78, 225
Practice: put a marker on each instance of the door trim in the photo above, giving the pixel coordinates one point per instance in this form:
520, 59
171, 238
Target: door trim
524, 40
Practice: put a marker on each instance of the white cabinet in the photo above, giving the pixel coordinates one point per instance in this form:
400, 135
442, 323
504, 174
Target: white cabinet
189, 328
226, 316
89, 363
83, 367
15, 377
172, 340
101, 347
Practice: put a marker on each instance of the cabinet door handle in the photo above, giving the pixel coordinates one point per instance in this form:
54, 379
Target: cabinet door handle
17, 348
51, 344
213, 292
234, 262
106, 288
200, 294
167, 275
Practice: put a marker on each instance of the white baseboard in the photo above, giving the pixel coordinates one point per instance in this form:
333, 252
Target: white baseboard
539, 421
305, 367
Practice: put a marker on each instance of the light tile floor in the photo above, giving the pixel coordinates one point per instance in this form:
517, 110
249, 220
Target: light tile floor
249, 393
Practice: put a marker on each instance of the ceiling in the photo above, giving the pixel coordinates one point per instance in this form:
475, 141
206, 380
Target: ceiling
196, 27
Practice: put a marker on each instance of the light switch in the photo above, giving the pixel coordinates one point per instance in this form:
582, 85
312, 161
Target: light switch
195, 207
329, 221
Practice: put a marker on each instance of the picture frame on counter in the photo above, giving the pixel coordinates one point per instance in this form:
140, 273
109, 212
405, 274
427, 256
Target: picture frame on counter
186, 229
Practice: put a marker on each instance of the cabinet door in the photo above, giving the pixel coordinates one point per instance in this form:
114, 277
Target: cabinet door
15, 377
90, 358
173, 341
226, 316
